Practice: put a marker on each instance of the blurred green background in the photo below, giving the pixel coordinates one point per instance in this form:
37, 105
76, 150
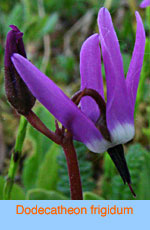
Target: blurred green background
53, 35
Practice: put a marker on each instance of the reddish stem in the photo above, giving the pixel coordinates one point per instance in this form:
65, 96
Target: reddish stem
39, 125
66, 142
73, 168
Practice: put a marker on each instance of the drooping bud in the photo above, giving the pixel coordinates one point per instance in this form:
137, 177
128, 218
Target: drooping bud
17, 92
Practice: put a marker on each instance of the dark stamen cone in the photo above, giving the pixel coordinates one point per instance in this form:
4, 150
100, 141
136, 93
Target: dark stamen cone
17, 92
117, 155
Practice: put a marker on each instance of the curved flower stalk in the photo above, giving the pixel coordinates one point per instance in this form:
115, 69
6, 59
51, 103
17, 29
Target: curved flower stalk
145, 3
101, 126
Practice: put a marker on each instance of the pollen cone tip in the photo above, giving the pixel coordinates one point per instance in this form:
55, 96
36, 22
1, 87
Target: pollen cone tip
131, 189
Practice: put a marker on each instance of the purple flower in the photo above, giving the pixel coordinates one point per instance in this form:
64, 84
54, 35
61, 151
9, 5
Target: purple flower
17, 92
107, 128
121, 92
145, 3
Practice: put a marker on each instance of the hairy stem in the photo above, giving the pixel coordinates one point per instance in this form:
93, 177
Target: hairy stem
15, 158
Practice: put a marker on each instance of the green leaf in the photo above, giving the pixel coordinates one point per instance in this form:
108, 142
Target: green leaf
30, 172
91, 196
48, 171
17, 193
41, 194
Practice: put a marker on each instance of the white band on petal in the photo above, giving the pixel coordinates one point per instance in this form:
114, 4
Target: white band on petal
121, 134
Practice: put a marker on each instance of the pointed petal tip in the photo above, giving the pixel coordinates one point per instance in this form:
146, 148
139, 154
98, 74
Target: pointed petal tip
138, 17
140, 22
102, 11
15, 56
137, 13
92, 38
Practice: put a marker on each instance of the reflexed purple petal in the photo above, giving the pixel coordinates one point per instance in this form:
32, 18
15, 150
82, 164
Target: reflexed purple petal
53, 98
135, 67
145, 3
91, 76
119, 114
110, 48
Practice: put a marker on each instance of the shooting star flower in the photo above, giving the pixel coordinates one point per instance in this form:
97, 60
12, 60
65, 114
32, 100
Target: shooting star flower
121, 91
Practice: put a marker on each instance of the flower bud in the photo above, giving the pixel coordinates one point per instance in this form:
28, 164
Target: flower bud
17, 92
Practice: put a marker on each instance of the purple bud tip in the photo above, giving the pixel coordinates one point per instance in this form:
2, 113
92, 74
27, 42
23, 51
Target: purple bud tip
14, 28
131, 189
